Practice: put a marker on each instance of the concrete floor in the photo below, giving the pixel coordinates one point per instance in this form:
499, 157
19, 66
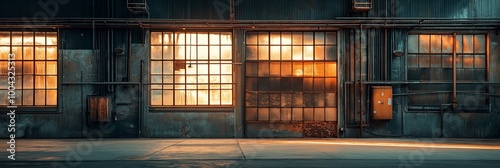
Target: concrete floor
405, 153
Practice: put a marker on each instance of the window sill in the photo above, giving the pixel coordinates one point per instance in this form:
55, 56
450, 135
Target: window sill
31, 110
192, 109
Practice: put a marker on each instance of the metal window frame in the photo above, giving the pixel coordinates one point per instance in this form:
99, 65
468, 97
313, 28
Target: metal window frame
197, 107
33, 108
302, 61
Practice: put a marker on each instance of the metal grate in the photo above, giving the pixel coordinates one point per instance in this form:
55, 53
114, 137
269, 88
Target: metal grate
138, 6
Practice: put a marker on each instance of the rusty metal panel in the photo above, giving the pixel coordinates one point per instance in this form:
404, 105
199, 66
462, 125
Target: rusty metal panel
93, 108
382, 102
301, 129
99, 109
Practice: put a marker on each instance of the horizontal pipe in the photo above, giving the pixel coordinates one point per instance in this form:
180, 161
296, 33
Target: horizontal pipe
420, 82
100, 83
192, 23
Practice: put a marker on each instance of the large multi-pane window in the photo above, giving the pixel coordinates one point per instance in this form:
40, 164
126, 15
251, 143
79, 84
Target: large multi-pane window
291, 76
430, 60
35, 67
191, 68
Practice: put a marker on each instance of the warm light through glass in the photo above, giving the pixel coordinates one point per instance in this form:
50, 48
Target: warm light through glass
194, 68
35, 65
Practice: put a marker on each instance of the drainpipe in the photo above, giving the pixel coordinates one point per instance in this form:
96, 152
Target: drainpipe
454, 64
360, 81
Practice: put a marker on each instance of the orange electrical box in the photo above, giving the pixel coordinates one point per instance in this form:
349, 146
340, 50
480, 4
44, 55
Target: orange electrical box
382, 102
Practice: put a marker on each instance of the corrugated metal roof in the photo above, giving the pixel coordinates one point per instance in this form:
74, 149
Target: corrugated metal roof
259, 9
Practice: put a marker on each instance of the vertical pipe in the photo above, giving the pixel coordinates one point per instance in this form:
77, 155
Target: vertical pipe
360, 80
129, 53
385, 55
141, 98
84, 120
454, 103
353, 59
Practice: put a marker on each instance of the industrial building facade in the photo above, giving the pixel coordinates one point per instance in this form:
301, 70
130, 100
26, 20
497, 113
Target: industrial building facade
251, 68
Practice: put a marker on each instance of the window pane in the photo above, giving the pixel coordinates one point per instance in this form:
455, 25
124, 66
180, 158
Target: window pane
479, 44
331, 69
51, 82
308, 52
263, 38
27, 38
226, 78
191, 97
468, 43
251, 38
479, 61
39, 82
435, 43
226, 97
319, 38
4, 38
413, 44
40, 53
297, 53
214, 97
436, 61
39, 38
263, 69
156, 38
156, 52
40, 97
4, 52
28, 53
214, 38
319, 52
331, 53
424, 61
308, 69
156, 67
468, 61
40, 68
167, 52
156, 97
203, 38
286, 52
447, 42
275, 69
180, 97
203, 97
202, 53
275, 53
297, 69
275, 38
331, 84
51, 38
286, 38
226, 68
28, 67
28, 82
226, 52
17, 38
51, 53
214, 52
458, 43
263, 52
424, 44
286, 69
308, 38
447, 61
331, 38
251, 53
319, 69
297, 38
28, 97
51, 97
